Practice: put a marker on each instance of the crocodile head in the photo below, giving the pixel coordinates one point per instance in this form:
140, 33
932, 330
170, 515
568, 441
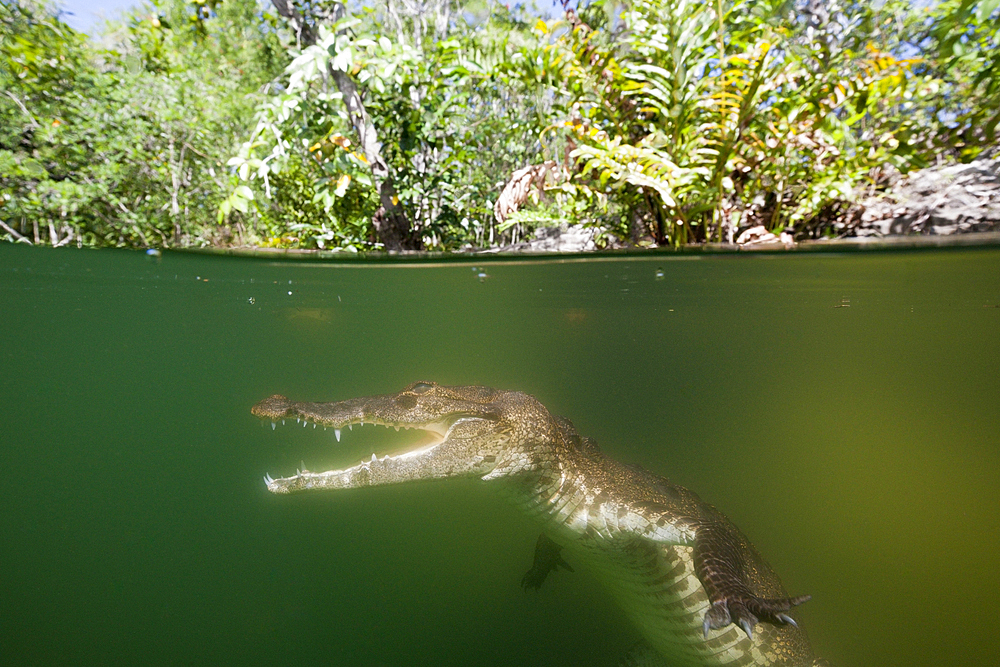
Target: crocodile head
474, 431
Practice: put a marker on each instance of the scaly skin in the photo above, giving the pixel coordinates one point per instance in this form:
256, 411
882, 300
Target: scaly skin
691, 582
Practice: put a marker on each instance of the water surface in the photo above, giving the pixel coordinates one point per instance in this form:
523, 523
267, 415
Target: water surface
841, 409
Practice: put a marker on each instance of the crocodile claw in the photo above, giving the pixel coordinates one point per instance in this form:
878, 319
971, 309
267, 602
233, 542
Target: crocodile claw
716, 617
787, 620
725, 612
747, 612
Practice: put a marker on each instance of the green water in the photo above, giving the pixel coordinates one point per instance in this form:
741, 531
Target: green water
842, 409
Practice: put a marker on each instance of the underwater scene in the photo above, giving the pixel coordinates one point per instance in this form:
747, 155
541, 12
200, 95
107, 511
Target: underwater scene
840, 407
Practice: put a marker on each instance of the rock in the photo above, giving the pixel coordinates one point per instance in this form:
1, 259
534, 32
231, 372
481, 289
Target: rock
952, 199
756, 235
760, 236
564, 238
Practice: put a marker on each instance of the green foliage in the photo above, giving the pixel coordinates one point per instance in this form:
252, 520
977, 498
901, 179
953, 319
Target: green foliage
964, 38
298, 217
125, 144
452, 124
668, 121
706, 117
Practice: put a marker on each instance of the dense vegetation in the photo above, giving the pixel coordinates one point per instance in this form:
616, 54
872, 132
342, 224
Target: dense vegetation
441, 125
124, 141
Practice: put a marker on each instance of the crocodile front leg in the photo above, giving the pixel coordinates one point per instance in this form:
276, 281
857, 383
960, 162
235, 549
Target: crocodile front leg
721, 565
547, 559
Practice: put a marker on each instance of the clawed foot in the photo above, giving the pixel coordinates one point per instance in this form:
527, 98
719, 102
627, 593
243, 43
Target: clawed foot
747, 612
547, 559
534, 578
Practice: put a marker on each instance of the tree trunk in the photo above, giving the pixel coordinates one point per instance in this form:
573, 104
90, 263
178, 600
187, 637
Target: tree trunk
391, 224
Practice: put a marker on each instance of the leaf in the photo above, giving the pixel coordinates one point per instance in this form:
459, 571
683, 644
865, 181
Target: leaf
986, 9
34, 169
344, 60
342, 184
240, 204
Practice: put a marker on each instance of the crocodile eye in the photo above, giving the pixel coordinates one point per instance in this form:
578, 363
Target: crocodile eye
421, 388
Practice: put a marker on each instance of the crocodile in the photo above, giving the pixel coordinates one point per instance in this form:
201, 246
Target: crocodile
690, 581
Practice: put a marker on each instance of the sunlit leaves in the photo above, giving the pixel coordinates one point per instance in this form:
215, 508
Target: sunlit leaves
767, 118
133, 131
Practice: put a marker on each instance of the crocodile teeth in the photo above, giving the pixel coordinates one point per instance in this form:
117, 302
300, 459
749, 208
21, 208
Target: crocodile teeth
374, 458
397, 429
336, 432
350, 427
305, 423
273, 426
268, 480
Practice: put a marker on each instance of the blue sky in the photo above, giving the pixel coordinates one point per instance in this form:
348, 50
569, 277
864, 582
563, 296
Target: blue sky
88, 15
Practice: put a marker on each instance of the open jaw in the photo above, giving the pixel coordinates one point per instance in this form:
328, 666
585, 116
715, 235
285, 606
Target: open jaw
423, 462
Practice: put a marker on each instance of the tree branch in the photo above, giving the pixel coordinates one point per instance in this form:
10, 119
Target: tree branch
392, 227
34, 123
13, 232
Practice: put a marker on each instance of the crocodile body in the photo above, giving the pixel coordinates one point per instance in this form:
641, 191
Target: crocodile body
693, 585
